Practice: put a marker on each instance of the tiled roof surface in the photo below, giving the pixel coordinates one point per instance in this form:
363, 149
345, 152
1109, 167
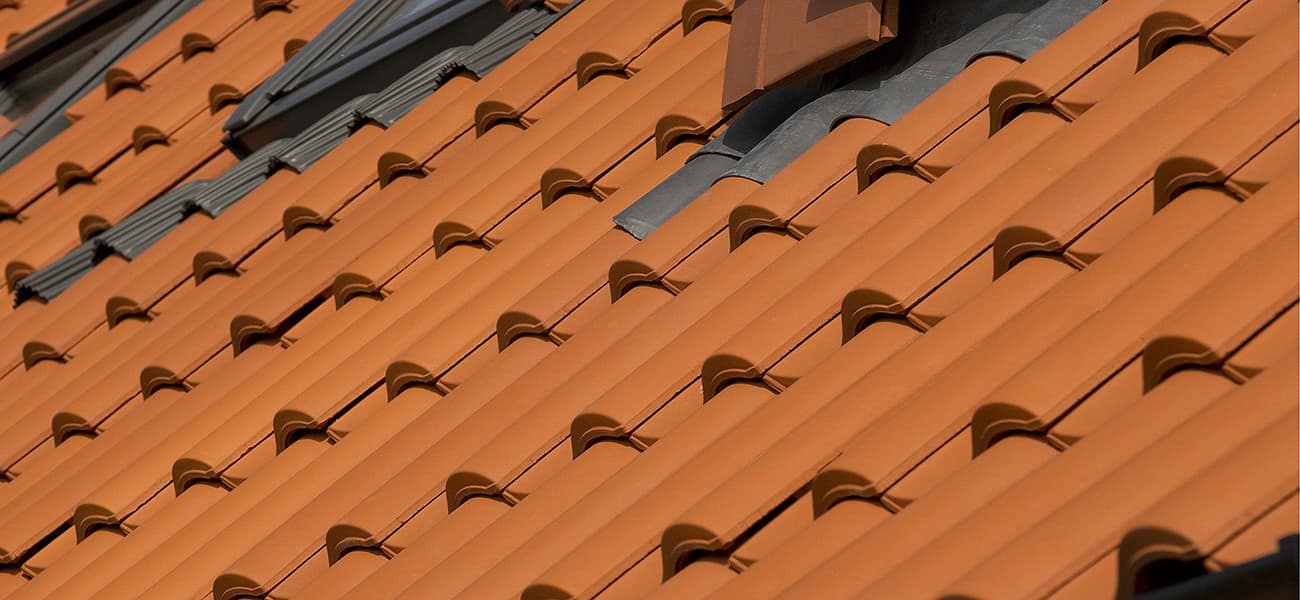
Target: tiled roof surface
1037, 336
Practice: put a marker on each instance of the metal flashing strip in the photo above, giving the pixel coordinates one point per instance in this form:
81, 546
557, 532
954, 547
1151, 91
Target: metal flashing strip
375, 55
47, 120
672, 194
359, 20
386, 107
1038, 28
50, 281
939, 40
143, 228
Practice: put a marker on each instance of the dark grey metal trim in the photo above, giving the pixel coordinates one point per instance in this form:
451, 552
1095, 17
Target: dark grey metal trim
237, 182
673, 194
386, 107
47, 120
331, 72
1038, 28
304, 149
143, 228
760, 118
939, 39
480, 58
50, 281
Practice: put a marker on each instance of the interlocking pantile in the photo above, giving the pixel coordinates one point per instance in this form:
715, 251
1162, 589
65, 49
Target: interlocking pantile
1005, 307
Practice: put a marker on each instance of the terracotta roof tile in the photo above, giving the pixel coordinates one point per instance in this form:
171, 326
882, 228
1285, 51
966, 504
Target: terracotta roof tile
541, 337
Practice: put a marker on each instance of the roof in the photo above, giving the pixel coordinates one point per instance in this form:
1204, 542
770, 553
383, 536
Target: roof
1006, 307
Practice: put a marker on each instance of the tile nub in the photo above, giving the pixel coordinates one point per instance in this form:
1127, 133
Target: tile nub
392, 165
221, 94
147, 135
34, 352
68, 174
695, 12
191, 44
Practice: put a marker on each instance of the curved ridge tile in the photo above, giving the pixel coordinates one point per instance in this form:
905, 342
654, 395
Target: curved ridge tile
400, 375
1040, 79
949, 109
153, 378
695, 12
674, 128
1211, 154
68, 174
560, 180
207, 263
34, 352
146, 135
119, 308
88, 517
1226, 314
262, 7
613, 51
229, 586
1124, 162
348, 285
222, 94
117, 79
64, 425
194, 43
1248, 486
15, 270
91, 225
565, 291
292, 47
1109, 505
297, 218
493, 112
1250, 20
1080, 362
187, 471
343, 538
246, 329
809, 178
1177, 19
542, 65
1266, 166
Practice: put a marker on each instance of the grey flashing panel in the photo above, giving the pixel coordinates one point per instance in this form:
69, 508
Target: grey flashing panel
711, 161
66, 27
304, 149
368, 65
939, 39
231, 186
794, 136
141, 229
673, 194
386, 107
480, 58
362, 18
902, 91
50, 281
1038, 28
760, 118
46, 120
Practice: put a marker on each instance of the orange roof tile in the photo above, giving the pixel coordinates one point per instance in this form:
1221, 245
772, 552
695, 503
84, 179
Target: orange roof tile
1034, 337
